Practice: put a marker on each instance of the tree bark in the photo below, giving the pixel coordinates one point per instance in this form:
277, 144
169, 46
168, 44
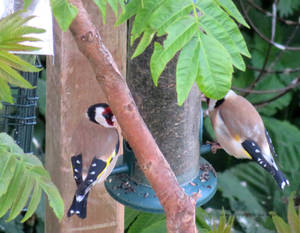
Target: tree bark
179, 208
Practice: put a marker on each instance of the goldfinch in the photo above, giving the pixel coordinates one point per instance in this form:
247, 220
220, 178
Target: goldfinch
101, 166
240, 131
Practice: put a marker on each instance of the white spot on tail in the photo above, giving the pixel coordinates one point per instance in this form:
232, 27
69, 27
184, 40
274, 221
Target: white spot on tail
94, 165
79, 198
77, 161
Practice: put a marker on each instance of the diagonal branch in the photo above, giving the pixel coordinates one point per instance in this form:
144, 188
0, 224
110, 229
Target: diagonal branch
179, 208
283, 91
269, 14
295, 83
277, 45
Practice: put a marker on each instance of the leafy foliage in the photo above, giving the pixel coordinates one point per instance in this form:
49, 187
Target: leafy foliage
204, 28
23, 177
287, 7
141, 222
293, 225
201, 27
13, 32
64, 13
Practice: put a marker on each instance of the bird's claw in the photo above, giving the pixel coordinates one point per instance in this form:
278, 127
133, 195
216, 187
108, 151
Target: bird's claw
214, 146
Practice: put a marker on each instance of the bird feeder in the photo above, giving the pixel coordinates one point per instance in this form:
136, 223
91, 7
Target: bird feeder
19, 118
177, 131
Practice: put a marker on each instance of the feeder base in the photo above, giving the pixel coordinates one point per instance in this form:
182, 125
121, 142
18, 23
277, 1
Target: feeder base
142, 197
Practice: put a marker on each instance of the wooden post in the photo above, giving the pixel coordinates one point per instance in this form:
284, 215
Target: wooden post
71, 88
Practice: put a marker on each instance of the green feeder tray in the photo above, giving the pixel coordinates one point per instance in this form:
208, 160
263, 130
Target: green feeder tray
142, 197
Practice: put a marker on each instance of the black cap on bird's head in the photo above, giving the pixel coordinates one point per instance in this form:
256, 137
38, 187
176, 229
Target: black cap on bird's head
101, 114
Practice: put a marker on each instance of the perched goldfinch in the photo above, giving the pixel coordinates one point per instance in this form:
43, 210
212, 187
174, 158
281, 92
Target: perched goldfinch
240, 131
101, 166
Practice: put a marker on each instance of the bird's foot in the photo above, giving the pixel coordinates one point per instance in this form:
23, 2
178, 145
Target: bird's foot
203, 98
214, 146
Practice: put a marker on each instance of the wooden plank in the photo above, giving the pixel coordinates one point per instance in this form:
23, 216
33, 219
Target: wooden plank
71, 88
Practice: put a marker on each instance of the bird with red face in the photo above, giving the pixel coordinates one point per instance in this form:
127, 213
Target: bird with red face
101, 166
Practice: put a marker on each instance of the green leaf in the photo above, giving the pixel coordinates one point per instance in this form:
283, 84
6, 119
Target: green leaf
28, 175
21, 200
27, 3
215, 70
5, 94
214, 28
6, 173
130, 216
34, 202
16, 62
142, 18
167, 13
114, 6
288, 7
270, 82
144, 42
210, 7
280, 225
41, 90
238, 195
130, 9
102, 8
156, 67
7, 141
13, 77
13, 31
54, 197
157, 227
186, 69
64, 13
179, 33
200, 219
7, 200
293, 219
144, 221
17, 47
232, 10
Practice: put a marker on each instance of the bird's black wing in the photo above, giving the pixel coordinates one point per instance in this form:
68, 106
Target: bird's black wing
96, 169
269, 140
76, 161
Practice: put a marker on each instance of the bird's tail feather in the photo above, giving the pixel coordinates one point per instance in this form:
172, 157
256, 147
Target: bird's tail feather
280, 179
255, 152
78, 207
